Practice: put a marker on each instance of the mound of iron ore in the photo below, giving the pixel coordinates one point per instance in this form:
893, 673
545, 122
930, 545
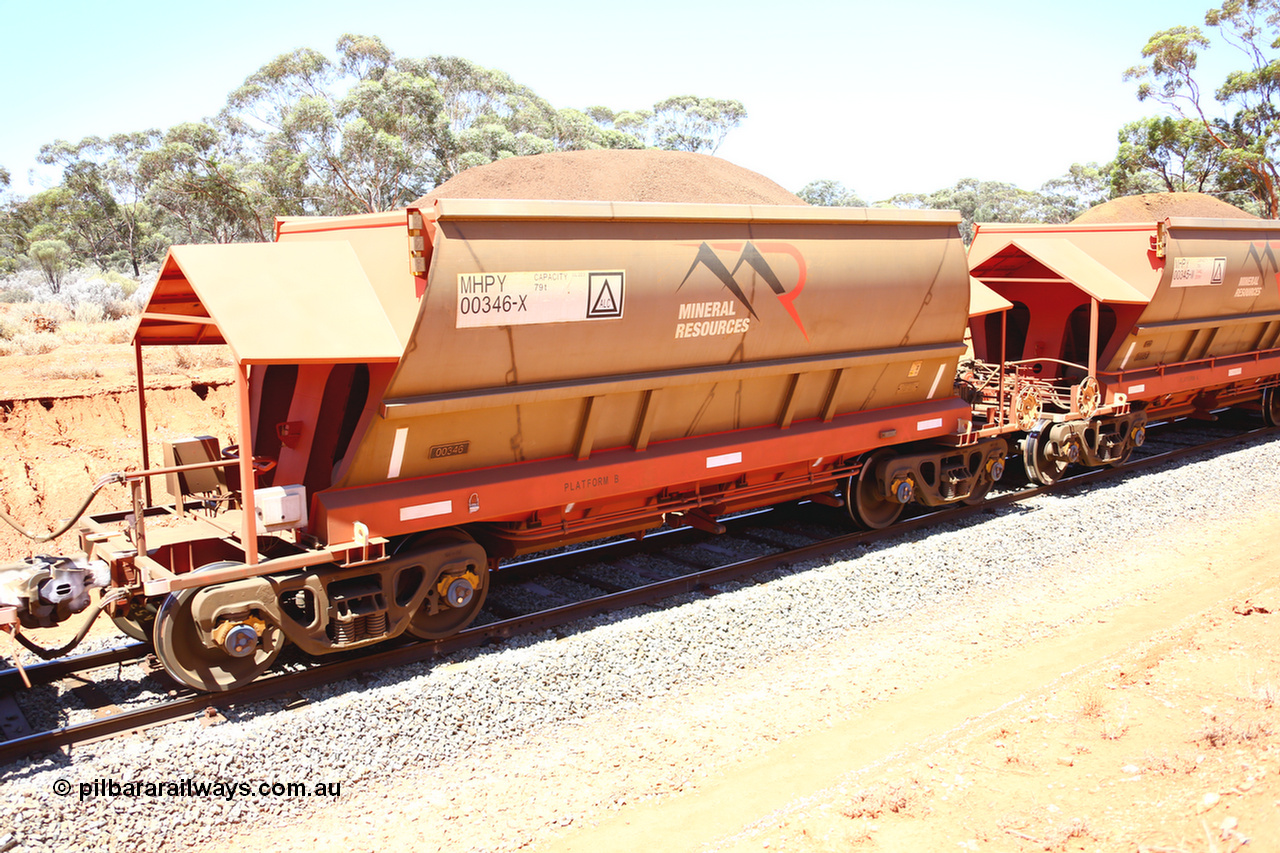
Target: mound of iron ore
1154, 207
615, 175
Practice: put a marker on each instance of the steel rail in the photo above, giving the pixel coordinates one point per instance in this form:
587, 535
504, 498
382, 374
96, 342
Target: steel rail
48, 672
406, 653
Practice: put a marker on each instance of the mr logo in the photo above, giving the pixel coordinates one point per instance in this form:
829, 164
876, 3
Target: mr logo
1263, 257
752, 254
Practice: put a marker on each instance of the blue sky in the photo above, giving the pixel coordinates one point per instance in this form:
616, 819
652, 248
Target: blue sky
884, 97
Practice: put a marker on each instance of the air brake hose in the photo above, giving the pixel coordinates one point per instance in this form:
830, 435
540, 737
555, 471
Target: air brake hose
49, 654
103, 482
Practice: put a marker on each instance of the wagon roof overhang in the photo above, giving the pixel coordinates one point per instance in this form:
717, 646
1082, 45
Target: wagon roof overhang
1068, 261
355, 221
984, 300
270, 303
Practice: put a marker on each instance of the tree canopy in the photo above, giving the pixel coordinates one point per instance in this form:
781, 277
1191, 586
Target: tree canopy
1166, 154
1245, 127
1059, 200
829, 193
690, 123
362, 130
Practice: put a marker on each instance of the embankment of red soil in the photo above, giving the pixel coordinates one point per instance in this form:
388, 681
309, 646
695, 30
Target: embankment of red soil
53, 448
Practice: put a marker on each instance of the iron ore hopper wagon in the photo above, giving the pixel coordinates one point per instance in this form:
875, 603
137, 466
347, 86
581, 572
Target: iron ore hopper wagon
1110, 325
427, 392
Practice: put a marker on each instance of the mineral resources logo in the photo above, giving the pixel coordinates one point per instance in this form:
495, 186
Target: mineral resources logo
1260, 259
720, 317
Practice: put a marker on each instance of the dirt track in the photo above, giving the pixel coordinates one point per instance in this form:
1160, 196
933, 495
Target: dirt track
1149, 724
1139, 714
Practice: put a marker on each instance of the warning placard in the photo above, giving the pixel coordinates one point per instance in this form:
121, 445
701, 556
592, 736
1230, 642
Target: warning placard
1198, 272
520, 298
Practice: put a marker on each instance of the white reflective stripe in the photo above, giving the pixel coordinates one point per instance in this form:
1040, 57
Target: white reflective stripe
725, 459
934, 387
1128, 353
397, 453
1137, 389
1235, 371
930, 424
408, 513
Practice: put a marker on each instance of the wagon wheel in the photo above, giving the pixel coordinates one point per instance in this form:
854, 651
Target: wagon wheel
454, 601
188, 660
1271, 406
869, 507
991, 473
1041, 467
137, 621
1135, 438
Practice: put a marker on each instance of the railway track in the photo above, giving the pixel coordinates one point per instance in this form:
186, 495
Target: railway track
538, 594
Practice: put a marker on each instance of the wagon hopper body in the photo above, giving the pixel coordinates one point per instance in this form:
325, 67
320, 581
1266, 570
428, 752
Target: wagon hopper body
1112, 324
427, 391
583, 368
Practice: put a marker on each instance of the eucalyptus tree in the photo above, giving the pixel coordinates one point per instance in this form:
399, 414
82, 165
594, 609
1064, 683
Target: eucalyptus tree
1246, 125
622, 129
361, 129
693, 123
578, 129
18, 220
978, 201
487, 116
829, 193
1166, 154
106, 205
213, 191
9, 236
81, 211
52, 258
1058, 200
369, 131
1084, 185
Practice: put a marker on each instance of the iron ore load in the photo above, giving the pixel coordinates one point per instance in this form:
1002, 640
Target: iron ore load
427, 392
